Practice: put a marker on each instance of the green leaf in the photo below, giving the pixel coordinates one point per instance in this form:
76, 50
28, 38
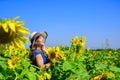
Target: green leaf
3, 65
32, 69
31, 76
25, 79
67, 66
101, 66
25, 64
24, 71
2, 59
1, 76
114, 69
66, 52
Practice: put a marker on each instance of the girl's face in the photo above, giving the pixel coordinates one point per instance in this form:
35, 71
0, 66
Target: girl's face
41, 40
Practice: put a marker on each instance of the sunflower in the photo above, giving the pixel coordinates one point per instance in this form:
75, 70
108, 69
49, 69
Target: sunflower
59, 55
103, 76
11, 65
83, 38
75, 40
111, 74
55, 54
82, 45
44, 76
12, 62
12, 34
88, 49
57, 48
23, 52
47, 76
51, 53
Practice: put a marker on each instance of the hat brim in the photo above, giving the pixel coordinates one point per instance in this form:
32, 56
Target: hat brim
44, 35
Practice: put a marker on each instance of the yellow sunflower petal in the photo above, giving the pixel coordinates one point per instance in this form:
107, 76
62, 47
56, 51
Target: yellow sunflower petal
12, 26
24, 39
11, 49
12, 44
20, 43
5, 27
11, 34
47, 75
23, 30
23, 52
0, 24
16, 18
16, 43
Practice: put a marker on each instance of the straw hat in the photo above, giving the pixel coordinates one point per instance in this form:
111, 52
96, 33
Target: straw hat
35, 35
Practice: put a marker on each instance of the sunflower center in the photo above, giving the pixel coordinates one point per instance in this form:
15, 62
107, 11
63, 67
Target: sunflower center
14, 61
6, 37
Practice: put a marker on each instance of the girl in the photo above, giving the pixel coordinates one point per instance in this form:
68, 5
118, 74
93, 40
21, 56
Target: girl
38, 52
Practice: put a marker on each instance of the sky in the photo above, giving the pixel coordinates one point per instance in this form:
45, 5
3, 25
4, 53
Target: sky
98, 20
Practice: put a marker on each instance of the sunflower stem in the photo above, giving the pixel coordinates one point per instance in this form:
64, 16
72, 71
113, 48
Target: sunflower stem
15, 75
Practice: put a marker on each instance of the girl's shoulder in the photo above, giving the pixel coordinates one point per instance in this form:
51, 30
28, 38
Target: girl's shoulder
37, 52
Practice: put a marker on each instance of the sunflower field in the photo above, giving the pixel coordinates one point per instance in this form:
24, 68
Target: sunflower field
69, 63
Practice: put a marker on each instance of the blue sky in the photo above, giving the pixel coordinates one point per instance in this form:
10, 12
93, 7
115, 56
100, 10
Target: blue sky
98, 20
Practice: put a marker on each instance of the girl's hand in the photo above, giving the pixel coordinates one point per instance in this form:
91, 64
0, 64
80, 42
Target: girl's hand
44, 49
48, 65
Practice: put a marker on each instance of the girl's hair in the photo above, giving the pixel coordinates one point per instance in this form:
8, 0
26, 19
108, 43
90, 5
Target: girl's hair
34, 43
33, 47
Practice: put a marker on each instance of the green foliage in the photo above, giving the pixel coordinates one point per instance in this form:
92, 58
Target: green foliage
85, 67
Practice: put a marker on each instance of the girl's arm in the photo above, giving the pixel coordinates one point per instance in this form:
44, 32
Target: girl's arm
40, 63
